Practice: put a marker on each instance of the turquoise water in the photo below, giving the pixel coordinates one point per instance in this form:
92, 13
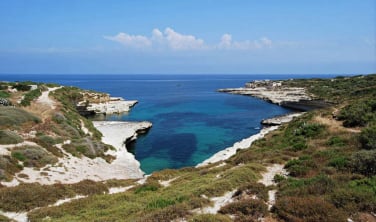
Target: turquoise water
191, 121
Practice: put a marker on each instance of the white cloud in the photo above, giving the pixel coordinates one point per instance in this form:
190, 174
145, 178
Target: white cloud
137, 41
170, 39
227, 43
179, 41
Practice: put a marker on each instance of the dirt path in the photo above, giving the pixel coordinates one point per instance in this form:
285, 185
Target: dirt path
335, 125
44, 106
267, 180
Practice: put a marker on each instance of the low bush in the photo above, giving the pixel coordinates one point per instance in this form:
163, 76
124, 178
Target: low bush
22, 87
309, 129
249, 207
87, 147
339, 162
88, 187
146, 187
301, 166
166, 214
210, 218
4, 94
336, 141
309, 209
359, 113
163, 202
9, 137
253, 188
11, 116
48, 143
25, 197
33, 156
30, 96
318, 185
8, 167
364, 162
367, 138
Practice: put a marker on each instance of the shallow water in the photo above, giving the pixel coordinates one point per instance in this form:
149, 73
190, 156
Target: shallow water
191, 121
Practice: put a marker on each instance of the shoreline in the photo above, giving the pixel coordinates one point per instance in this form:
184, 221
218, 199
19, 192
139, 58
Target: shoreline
245, 143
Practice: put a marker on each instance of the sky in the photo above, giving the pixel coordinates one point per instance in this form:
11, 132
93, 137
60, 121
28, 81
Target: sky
187, 37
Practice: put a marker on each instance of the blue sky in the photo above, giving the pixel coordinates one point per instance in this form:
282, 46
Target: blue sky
190, 37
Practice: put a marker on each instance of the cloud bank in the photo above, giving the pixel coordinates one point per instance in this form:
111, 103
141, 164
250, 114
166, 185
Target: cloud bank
170, 39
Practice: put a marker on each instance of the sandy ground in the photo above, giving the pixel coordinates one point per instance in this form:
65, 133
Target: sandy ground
267, 180
46, 100
218, 202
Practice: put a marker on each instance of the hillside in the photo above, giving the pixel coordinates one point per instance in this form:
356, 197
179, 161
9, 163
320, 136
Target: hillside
318, 167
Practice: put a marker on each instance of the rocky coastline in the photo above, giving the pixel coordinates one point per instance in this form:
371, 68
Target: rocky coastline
275, 92
114, 105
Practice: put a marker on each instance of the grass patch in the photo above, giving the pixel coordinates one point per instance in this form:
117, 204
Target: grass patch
210, 218
9, 137
310, 209
4, 94
33, 156
252, 209
11, 116
29, 196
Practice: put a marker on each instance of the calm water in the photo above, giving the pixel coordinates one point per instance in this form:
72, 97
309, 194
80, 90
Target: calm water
191, 121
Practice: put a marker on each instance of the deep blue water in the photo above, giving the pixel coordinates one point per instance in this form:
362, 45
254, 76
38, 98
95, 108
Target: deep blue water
191, 121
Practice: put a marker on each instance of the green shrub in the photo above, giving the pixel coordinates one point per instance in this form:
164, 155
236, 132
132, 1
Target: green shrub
166, 214
300, 167
22, 87
4, 94
210, 218
88, 187
298, 143
358, 113
11, 116
318, 185
336, 141
364, 162
86, 146
309, 209
250, 207
146, 188
33, 156
367, 138
25, 197
162, 202
339, 162
48, 143
253, 188
309, 129
9, 137
30, 96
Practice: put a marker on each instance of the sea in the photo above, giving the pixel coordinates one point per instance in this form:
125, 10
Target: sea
191, 120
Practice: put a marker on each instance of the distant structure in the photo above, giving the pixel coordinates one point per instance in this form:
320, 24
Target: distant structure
268, 84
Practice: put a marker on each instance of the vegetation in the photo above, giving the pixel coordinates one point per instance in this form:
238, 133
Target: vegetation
29, 196
9, 137
30, 96
332, 174
33, 156
10, 117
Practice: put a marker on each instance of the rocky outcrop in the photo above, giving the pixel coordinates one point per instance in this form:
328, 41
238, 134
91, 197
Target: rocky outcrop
290, 97
112, 105
279, 120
